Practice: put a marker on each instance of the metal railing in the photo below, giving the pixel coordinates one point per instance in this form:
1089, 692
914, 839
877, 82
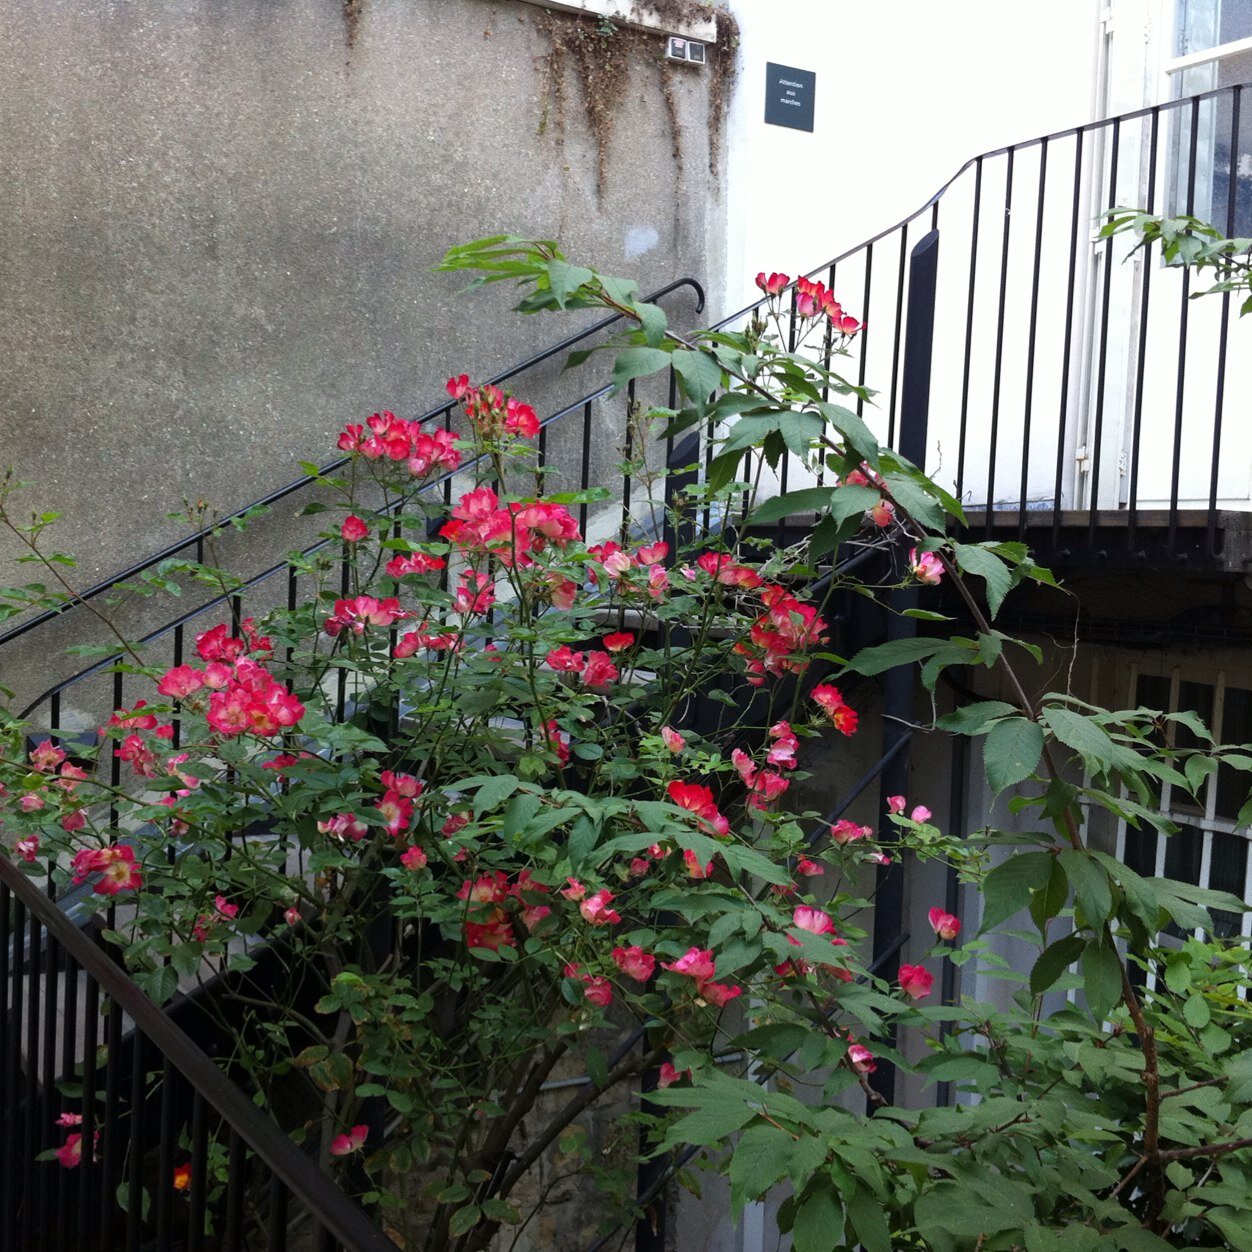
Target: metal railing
171, 1153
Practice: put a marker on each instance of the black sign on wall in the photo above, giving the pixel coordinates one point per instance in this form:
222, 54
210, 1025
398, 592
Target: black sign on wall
789, 96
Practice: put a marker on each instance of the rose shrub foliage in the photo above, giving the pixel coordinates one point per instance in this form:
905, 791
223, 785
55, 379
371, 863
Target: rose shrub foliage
508, 797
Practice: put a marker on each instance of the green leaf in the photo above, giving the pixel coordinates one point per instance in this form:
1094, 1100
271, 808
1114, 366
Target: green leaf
1101, 979
1012, 752
887, 656
564, 278
464, 1220
1046, 903
761, 1157
1088, 739
597, 1067
869, 1221
973, 719
653, 321
159, 983
635, 363
852, 501
1053, 961
810, 500
819, 1220
1196, 1012
1007, 888
494, 792
701, 376
710, 1125
1091, 886
990, 568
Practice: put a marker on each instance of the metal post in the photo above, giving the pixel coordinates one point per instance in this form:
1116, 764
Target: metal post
898, 685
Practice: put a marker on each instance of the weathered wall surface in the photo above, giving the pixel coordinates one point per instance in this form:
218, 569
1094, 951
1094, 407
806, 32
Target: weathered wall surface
217, 222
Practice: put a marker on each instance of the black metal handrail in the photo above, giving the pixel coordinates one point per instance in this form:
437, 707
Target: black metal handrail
45, 1042
197, 540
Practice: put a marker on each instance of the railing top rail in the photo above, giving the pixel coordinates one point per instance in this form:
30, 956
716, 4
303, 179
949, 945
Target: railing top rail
306, 480
337, 1213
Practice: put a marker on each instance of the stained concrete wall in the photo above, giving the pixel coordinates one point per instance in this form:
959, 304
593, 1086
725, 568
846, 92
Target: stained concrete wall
217, 222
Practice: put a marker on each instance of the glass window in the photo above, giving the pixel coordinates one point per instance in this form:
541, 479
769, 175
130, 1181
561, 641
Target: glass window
1213, 181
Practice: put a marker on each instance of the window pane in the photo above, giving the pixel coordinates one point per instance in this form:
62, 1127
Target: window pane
1192, 698
1207, 23
1182, 861
1233, 784
1220, 153
1141, 851
1152, 692
1227, 869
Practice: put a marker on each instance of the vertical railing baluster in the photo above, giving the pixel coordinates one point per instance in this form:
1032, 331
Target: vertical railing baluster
969, 329
901, 271
87, 1169
167, 1134
1068, 342
232, 1236
32, 1173
110, 1132
628, 451
1141, 353
198, 1191
1096, 451
998, 371
1210, 546
1028, 399
10, 1025
69, 981
277, 1241
866, 325
48, 1096
134, 1162
1184, 309
106, 745
584, 476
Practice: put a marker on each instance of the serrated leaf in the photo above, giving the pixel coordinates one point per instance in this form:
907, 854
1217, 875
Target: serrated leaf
653, 322
632, 363
974, 719
494, 792
809, 500
1091, 885
869, 1221
1053, 961
701, 376
1101, 979
761, 1158
887, 656
464, 1220
990, 568
710, 1125
819, 1220
1007, 888
1012, 752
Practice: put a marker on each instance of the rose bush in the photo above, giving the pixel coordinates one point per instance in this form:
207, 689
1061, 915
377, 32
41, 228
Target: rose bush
504, 800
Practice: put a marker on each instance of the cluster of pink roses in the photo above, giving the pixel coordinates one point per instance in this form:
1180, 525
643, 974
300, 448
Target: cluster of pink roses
384, 436
245, 698
786, 628
766, 785
492, 414
494, 902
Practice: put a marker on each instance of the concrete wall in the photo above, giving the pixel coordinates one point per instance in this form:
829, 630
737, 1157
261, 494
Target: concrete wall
217, 222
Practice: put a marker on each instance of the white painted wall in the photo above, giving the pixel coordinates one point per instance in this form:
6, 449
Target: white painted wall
907, 90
